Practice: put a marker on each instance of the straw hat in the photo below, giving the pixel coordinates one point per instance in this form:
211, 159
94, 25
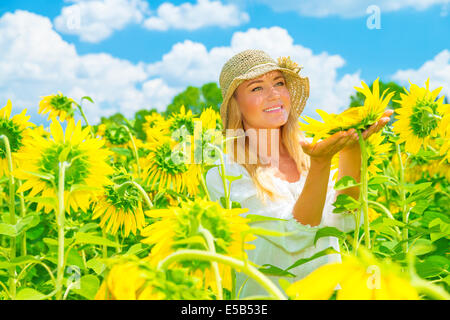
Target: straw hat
250, 64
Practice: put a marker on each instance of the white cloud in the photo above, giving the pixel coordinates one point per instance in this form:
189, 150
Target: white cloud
202, 14
437, 69
96, 20
347, 8
190, 63
35, 61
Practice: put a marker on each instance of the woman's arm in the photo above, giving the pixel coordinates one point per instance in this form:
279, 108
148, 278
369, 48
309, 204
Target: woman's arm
350, 165
309, 206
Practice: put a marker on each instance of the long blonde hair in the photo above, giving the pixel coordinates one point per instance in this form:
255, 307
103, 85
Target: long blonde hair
290, 137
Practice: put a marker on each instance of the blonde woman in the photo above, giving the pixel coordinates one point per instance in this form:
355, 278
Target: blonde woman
283, 175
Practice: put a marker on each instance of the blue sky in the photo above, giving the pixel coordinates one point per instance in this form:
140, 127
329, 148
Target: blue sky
413, 43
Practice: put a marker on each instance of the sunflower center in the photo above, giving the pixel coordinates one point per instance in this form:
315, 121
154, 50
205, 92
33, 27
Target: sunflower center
424, 118
76, 173
117, 136
163, 157
179, 122
62, 103
12, 131
125, 198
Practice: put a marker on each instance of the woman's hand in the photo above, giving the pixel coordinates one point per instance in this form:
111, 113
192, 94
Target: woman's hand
324, 150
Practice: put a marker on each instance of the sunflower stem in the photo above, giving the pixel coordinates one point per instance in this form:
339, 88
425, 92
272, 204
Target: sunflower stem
12, 215
249, 270
23, 213
60, 221
104, 247
202, 180
141, 190
85, 119
364, 193
212, 248
225, 187
135, 151
403, 197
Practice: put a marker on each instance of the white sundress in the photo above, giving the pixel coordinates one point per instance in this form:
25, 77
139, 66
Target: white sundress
283, 251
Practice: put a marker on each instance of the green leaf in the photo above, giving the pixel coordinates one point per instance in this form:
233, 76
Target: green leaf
122, 151
18, 261
344, 201
267, 232
42, 175
233, 178
328, 232
381, 179
272, 270
49, 201
422, 246
191, 240
87, 238
432, 266
27, 222
319, 254
97, 265
7, 229
81, 187
346, 182
30, 294
235, 205
89, 285
88, 226
64, 154
136, 249
87, 98
257, 218
444, 229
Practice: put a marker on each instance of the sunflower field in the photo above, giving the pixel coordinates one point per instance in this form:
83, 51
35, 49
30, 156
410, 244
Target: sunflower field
96, 212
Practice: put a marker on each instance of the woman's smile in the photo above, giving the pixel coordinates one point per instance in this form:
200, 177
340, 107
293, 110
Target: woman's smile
274, 109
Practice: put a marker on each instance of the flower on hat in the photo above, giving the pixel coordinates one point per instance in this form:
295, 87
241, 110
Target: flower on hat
286, 62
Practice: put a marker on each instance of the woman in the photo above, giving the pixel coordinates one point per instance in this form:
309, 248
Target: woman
290, 178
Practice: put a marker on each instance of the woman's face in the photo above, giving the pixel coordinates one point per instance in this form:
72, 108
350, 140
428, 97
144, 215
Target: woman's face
264, 101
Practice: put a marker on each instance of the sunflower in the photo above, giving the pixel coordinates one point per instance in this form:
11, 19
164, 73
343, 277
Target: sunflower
179, 125
179, 228
361, 278
134, 279
121, 208
168, 167
17, 130
377, 151
359, 118
211, 120
155, 124
445, 134
57, 105
86, 174
419, 118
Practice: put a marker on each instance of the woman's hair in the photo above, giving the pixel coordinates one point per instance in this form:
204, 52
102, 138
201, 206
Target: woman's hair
290, 137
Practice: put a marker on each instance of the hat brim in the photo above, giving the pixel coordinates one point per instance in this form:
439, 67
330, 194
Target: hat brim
298, 88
